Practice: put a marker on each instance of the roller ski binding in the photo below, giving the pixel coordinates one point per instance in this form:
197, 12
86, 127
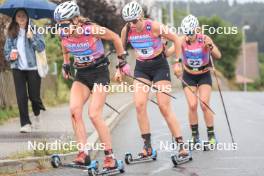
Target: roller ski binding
111, 167
181, 156
90, 166
148, 154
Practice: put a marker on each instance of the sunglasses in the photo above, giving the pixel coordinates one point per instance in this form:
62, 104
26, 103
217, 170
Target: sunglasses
134, 21
190, 34
64, 25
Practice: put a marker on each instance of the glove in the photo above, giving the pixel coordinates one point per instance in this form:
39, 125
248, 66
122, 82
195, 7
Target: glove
66, 70
126, 69
123, 65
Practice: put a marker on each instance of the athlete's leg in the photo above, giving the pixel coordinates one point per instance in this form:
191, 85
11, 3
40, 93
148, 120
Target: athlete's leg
205, 94
166, 110
95, 114
141, 93
193, 115
78, 97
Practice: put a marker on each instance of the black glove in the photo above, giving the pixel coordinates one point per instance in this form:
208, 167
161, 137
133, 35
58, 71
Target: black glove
67, 68
121, 61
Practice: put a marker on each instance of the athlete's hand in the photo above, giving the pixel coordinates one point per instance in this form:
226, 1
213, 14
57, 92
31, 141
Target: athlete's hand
177, 68
66, 71
208, 43
126, 70
118, 76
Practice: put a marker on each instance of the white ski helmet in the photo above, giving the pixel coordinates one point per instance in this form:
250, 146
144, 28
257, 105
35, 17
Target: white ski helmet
189, 24
66, 11
132, 11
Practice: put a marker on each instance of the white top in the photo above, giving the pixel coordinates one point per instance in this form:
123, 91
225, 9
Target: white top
22, 60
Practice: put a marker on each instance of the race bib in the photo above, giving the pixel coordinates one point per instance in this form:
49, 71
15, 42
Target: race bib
83, 59
195, 63
145, 52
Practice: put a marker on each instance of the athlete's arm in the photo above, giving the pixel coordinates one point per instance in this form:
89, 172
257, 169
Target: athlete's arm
123, 36
171, 50
214, 49
107, 34
66, 55
160, 29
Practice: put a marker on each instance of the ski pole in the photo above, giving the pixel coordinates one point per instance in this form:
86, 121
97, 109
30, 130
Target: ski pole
107, 104
132, 77
222, 99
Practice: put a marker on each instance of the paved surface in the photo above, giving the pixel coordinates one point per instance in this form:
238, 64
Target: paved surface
246, 113
55, 124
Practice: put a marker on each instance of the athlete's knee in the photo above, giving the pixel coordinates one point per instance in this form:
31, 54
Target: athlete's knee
193, 106
204, 107
76, 112
94, 115
165, 109
140, 106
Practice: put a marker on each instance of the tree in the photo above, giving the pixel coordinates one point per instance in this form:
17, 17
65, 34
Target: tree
104, 12
3, 25
229, 45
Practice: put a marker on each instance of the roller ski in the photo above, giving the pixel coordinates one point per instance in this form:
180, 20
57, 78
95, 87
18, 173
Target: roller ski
181, 157
148, 154
111, 167
86, 163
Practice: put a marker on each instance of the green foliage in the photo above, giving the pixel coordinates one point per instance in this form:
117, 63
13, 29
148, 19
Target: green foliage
238, 14
7, 113
229, 45
259, 84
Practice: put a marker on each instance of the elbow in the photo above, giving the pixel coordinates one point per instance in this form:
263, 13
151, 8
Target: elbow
218, 56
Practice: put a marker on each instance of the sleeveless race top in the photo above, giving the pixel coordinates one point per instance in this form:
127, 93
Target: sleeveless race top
146, 45
194, 55
85, 48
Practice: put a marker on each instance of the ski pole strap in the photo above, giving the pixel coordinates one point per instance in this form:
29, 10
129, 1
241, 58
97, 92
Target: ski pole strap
121, 61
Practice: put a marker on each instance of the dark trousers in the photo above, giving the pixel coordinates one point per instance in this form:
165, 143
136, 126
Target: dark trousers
27, 85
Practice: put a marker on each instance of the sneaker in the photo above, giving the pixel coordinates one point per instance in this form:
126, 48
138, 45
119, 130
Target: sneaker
146, 152
212, 141
110, 162
194, 140
26, 129
82, 159
36, 122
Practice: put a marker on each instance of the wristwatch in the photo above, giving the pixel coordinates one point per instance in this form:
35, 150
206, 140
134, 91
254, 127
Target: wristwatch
178, 60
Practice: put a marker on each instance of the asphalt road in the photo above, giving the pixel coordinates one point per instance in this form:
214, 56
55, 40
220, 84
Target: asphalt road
246, 112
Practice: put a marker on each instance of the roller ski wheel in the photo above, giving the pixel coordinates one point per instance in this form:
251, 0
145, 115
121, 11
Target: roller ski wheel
210, 145
120, 168
178, 160
130, 160
56, 163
